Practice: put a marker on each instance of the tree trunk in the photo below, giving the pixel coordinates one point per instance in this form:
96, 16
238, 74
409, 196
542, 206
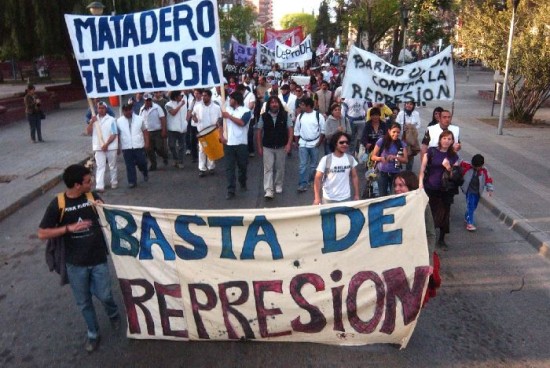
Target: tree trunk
398, 35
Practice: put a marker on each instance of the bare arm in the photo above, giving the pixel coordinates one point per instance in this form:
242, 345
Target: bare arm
317, 188
355, 183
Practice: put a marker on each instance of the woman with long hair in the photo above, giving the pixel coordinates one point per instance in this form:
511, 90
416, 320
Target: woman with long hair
434, 163
390, 152
336, 122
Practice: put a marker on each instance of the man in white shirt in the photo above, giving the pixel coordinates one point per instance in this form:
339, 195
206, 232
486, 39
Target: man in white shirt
133, 141
205, 114
155, 120
176, 122
105, 145
355, 109
309, 133
431, 138
234, 136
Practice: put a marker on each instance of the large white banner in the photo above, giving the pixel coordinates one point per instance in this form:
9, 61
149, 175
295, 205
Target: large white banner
370, 77
288, 54
266, 57
243, 53
171, 48
351, 273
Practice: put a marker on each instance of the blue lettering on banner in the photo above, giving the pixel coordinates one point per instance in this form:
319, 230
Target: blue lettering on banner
330, 243
253, 238
200, 249
148, 224
226, 223
145, 26
124, 233
377, 220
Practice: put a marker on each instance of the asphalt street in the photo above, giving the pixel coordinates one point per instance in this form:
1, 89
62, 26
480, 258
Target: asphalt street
492, 310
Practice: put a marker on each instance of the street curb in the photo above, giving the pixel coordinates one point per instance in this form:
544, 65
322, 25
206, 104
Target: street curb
28, 198
537, 238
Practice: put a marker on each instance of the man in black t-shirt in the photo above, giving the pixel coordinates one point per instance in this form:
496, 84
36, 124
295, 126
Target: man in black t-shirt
75, 219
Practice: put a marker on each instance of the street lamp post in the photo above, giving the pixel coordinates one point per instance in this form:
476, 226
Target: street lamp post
405, 19
515, 4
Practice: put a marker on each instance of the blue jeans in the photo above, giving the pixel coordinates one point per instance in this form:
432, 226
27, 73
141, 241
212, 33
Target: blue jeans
88, 281
357, 127
177, 138
133, 157
472, 199
385, 183
235, 157
309, 158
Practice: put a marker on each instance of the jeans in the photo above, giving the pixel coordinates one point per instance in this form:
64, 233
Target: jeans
251, 139
133, 157
87, 281
309, 157
357, 127
35, 124
410, 163
235, 157
192, 142
472, 200
177, 139
385, 183
157, 145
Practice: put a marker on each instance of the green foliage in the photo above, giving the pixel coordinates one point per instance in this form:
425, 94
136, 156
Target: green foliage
307, 21
485, 33
236, 21
324, 29
432, 20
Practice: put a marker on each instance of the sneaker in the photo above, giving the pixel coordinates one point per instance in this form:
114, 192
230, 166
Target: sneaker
302, 188
471, 227
100, 190
441, 244
251, 154
145, 178
153, 168
131, 185
230, 195
115, 323
187, 152
165, 162
243, 187
179, 166
91, 344
278, 190
211, 172
202, 174
114, 186
269, 194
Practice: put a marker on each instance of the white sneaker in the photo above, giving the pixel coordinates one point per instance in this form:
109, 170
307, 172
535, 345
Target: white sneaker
268, 194
278, 190
114, 186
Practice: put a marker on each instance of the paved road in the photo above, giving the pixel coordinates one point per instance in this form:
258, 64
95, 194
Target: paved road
492, 310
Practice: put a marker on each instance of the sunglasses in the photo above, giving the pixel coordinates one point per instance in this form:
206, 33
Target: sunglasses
343, 142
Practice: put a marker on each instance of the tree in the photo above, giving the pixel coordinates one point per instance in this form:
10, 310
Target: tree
307, 21
237, 21
482, 35
324, 29
29, 29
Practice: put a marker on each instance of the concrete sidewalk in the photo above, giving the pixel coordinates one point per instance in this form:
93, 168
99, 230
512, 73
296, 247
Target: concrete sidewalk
519, 160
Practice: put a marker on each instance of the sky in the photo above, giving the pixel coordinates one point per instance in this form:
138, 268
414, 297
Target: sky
283, 7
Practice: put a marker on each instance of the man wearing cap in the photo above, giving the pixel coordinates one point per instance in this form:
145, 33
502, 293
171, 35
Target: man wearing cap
234, 136
104, 133
155, 120
133, 141
95, 101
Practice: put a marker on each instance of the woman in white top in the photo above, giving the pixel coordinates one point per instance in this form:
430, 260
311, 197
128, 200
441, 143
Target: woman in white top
409, 116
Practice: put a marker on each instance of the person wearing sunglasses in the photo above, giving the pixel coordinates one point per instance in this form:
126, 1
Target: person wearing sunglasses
333, 174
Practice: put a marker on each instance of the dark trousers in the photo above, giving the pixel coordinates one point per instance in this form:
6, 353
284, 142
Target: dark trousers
192, 141
177, 139
157, 145
35, 124
235, 157
251, 136
132, 158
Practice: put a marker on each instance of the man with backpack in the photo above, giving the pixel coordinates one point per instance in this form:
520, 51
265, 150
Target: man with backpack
334, 173
73, 217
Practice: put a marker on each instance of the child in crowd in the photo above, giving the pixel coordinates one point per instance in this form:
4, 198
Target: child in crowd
476, 179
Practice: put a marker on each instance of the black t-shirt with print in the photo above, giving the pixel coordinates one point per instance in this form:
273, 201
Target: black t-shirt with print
84, 248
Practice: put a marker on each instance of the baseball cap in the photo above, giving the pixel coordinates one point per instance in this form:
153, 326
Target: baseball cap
148, 96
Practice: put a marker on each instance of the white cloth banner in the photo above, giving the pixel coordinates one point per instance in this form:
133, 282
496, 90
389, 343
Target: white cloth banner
171, 48
242, 53
265, 56
372, 78
287, 54
351, 273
